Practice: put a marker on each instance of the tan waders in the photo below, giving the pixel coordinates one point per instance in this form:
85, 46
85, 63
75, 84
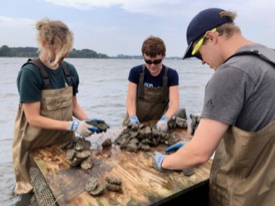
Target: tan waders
151, 102
243, 170
55, 104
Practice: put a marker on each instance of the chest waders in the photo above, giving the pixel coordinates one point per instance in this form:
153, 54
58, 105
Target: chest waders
151, 102
243, 169
55, 104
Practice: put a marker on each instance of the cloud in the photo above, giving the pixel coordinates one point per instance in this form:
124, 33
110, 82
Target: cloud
175, 8
86, 4
9, 22
151, 7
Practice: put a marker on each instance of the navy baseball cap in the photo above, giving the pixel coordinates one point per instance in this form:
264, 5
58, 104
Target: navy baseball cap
204, 21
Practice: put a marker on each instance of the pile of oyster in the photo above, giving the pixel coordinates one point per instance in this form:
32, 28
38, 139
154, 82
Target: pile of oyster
78, 153
94, 188
143, 137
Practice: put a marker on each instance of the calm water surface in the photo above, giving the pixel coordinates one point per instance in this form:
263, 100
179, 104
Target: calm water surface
102, 94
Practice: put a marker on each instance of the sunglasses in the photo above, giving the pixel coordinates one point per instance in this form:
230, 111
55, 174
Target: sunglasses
157, 61
198, 45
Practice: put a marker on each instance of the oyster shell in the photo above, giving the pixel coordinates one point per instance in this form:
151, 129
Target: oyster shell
67, 145
70, 154
113, 187
113, 180
102, 126
188, 172
91, 183
107, 142
97, 191
145, 147
132, 147
87, 163
173, 139
93, 187
83, 154
75, 162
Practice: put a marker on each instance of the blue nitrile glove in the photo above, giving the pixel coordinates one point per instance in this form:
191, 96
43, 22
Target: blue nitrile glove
157, 161
176, 146
134, 120
98, 121
162, 125
94, 129
80, 127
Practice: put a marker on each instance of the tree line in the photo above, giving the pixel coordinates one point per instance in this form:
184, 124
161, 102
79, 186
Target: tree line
31, 52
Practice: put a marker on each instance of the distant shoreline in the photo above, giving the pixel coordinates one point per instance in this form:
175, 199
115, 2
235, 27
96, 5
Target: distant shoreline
31, 52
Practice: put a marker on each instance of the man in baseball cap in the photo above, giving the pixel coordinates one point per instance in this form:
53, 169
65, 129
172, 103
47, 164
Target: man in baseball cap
238, 116
204, 21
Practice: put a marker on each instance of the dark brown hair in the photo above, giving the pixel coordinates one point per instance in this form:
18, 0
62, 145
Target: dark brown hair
153, 46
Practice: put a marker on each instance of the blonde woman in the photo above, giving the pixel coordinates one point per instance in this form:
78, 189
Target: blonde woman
47, 89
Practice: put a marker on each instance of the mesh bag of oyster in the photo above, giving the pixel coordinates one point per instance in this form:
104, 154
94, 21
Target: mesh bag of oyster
42, 193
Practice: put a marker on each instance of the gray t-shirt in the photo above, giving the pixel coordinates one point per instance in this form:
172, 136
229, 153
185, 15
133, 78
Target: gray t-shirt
241, 91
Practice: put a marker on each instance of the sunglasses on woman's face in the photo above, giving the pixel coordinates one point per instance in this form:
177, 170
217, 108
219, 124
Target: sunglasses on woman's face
157, 61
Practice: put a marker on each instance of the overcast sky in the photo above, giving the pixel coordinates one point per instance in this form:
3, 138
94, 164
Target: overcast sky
117, 27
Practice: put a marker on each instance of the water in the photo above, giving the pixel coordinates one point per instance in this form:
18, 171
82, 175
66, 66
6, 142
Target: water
102, 94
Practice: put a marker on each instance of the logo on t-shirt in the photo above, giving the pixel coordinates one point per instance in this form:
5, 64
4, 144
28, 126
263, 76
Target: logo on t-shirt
148, 84
209, 103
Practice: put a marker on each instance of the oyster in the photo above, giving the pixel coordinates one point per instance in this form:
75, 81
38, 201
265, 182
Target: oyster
145, 147
174, 138
107, 142
93, 187
67, 145
113, 187
87, 163
179, 120
83, 154
132, 147
97, 191
113, 180
181, 114
91, 183
78, 146
75, 162
70, 154
188, 172
102, 126
113, 184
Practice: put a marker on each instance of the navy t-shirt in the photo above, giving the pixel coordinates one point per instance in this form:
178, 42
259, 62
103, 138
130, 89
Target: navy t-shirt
151, 81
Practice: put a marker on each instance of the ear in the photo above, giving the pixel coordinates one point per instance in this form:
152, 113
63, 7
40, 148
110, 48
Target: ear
44, 42
212, 36
164, 56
